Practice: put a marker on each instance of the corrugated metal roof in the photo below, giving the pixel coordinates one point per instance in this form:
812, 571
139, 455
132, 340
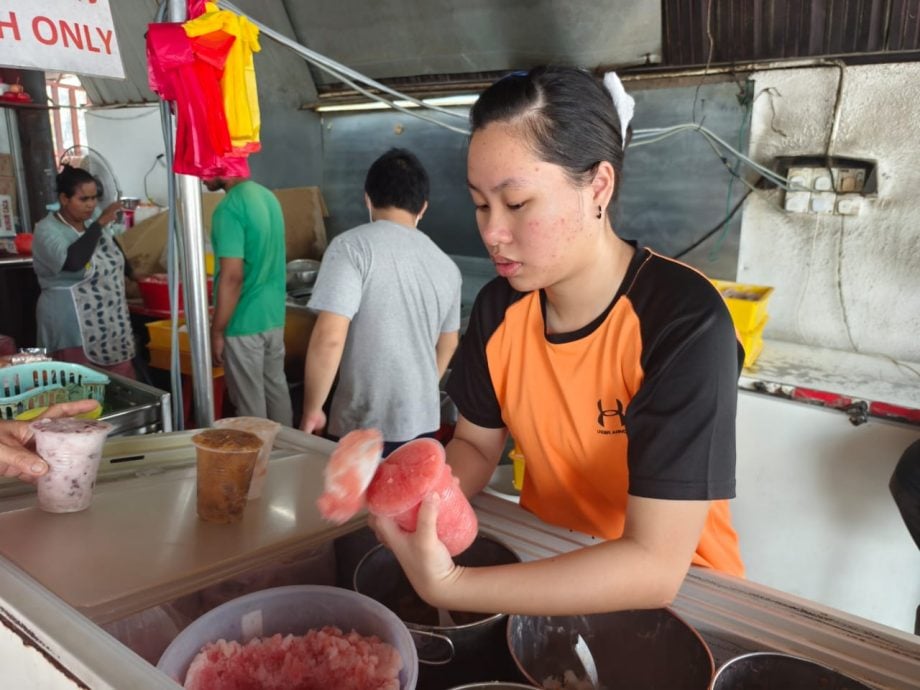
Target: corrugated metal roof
131, 18
444, 40
405, 38
776, 29
273, 64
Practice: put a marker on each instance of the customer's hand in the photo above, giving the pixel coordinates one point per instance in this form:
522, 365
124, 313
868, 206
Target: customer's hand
17, 456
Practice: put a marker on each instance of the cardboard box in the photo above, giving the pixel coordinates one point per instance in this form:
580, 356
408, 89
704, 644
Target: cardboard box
305, 229
7, 217
6, 165
8, 188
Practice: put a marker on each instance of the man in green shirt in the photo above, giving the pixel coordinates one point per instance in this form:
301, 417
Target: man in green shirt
247, 332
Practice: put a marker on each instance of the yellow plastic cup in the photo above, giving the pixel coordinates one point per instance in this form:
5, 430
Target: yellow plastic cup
517, 461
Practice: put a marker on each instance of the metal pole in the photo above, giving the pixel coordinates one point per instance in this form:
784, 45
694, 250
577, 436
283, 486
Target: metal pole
22, 190
36, 148
194, 278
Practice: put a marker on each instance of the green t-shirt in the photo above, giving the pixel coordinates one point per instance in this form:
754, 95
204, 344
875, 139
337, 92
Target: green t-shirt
248, 225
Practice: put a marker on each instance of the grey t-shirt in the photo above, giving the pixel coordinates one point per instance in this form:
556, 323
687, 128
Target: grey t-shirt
400, 292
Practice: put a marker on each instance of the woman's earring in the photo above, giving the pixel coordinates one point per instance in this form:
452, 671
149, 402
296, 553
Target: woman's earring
600, 212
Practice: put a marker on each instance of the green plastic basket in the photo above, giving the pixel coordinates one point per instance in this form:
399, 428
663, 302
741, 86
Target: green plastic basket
27, 386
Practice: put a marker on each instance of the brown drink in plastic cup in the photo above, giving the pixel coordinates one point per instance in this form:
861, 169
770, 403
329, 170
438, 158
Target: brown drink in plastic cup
266, 430
72, 448
226, 458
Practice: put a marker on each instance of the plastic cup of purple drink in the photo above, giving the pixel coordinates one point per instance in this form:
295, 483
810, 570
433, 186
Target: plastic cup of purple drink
72, 448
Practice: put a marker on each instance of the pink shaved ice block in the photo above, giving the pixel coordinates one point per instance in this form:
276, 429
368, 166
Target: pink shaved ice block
410, 473
320, 660
457, 524
348, 473
405, 477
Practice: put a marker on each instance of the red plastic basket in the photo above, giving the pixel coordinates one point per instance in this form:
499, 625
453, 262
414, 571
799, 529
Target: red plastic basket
155, 291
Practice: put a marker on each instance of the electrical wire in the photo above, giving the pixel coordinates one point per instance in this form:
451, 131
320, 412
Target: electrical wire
350, 76
97, 113
172, 255
172, 270
147, 174
717, 247
807, 284
643, 137
843, 306
712, 44
713, 231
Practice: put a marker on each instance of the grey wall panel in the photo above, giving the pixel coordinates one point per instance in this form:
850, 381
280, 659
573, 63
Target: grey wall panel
291, 154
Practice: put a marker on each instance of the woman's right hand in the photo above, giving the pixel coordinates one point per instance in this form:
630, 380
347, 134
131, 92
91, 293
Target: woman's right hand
110, 213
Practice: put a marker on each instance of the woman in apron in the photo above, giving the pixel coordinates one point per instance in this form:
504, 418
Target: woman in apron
82, 313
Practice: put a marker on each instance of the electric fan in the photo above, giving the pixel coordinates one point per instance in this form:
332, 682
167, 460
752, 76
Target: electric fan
96, 165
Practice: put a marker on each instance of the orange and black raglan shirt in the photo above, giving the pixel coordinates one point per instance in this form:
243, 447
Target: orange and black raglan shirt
641, 401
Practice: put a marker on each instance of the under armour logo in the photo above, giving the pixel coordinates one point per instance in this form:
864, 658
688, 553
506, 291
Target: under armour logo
618, 412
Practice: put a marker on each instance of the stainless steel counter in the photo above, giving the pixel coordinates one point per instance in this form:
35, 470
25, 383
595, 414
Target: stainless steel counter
134, 408
41, 633
14, 260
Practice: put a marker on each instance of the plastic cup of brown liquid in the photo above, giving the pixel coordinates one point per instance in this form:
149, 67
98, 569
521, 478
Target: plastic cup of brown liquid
226, 458
266, 430
72, 448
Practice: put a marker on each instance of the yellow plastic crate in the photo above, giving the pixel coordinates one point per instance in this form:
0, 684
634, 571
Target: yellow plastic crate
160, 333
160, 359
746, 303
753, 342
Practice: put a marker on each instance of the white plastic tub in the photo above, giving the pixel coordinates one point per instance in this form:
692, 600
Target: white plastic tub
292, 610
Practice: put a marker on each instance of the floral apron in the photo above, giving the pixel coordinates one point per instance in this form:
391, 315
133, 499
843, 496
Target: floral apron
102, 311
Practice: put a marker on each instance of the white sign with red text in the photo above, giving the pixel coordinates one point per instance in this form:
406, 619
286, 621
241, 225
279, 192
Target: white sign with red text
65, 35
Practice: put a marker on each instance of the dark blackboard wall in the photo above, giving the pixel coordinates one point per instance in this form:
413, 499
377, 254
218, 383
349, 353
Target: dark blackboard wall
352, 141
673, 192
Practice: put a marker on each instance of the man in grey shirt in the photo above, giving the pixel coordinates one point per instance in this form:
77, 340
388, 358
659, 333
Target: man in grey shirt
388, 304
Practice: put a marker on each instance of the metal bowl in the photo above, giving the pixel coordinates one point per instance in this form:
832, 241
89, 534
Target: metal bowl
768, 670
469, 636
302, 272
494, 685
631, 649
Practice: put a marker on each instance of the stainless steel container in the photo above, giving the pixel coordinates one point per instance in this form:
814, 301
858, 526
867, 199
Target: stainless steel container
497, 685
440, 638
302, 272
651, 649
769, 670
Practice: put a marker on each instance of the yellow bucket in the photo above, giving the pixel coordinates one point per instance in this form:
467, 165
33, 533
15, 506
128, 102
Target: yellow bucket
746, 303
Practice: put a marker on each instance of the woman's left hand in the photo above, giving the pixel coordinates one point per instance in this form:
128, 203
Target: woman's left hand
423, 557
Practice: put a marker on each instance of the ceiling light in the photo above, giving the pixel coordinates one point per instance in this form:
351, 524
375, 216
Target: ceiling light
443, 101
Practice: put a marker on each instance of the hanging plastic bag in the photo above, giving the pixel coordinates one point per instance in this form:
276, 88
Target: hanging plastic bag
238, 82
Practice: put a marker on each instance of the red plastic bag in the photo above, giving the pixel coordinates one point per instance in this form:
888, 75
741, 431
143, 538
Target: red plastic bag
188, 71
